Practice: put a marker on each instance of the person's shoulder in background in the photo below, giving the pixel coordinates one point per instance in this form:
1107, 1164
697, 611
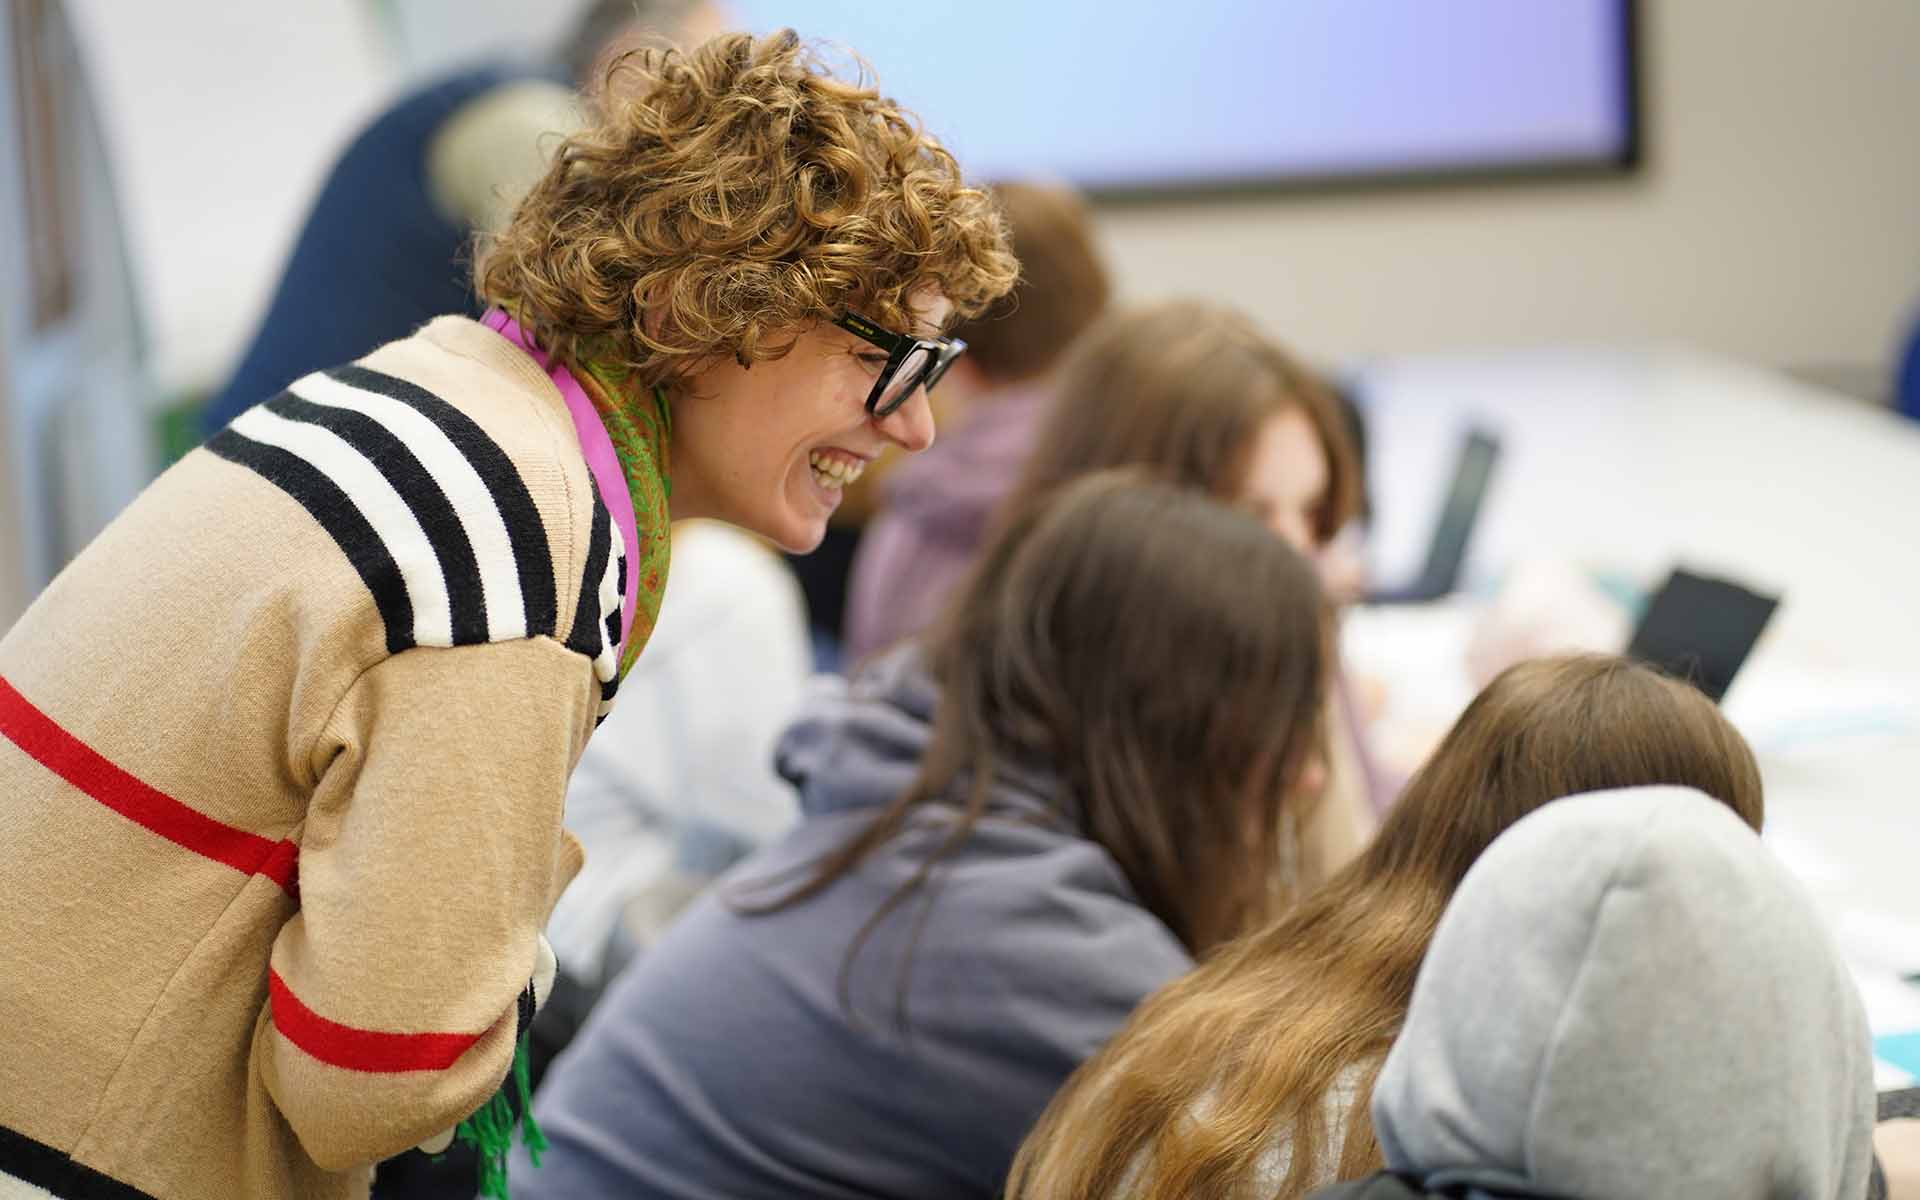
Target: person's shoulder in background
495, 147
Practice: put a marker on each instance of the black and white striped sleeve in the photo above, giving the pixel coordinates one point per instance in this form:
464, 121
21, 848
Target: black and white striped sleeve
432, 514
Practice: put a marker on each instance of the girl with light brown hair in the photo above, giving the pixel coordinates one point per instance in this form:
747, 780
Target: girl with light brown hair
1193, 393
1186, 391
1008, 840
1251, 1076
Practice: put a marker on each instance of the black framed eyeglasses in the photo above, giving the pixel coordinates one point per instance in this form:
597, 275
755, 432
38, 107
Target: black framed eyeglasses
912, 362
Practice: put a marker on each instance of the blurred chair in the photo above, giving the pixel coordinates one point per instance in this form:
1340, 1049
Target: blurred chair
1906, 385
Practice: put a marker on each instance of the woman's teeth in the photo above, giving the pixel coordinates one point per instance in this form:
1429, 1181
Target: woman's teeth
831, 471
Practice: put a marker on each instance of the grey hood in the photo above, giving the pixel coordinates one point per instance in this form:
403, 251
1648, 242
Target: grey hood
1629, 996
858, 744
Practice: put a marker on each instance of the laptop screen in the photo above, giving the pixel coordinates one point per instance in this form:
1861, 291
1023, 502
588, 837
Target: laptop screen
1701, 629
1447, 553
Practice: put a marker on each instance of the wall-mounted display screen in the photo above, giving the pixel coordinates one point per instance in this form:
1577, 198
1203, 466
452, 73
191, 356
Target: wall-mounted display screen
1131, 95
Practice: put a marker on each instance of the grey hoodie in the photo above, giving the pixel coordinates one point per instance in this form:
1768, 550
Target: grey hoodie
1629, 996
724, 1063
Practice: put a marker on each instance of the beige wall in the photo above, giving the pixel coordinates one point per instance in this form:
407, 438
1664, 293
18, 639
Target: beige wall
1777, 219
222, 119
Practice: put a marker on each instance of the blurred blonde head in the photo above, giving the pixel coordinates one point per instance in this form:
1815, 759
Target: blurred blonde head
1063, 285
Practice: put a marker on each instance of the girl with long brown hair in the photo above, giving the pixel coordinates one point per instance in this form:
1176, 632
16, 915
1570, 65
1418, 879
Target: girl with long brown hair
1082, 784
1194, 393
1251, 1076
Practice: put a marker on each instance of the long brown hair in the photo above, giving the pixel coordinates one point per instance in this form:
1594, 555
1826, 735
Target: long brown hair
1162, 657
1224, 1066
1181, 389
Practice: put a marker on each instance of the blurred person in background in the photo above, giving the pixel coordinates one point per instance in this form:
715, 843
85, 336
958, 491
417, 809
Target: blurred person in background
286, 746
934, 510
678, 783
388, 245
1193, 393
1010, 838
1251, 1076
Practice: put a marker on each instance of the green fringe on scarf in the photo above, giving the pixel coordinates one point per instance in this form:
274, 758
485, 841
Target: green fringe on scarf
490, 1130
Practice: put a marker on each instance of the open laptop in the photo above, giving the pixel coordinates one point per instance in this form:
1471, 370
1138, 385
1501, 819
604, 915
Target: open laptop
1459, 513
1701, 629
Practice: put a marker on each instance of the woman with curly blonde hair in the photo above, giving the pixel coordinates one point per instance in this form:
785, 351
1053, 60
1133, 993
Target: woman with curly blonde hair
282, 754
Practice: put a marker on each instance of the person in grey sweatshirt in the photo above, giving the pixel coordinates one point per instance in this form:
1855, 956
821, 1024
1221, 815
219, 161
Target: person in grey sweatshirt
1628, 996
1007, 841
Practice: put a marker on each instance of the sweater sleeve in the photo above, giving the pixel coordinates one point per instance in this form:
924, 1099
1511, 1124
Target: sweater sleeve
431, 857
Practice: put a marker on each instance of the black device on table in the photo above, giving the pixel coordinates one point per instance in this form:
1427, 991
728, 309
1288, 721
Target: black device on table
1459, 513
1701, 629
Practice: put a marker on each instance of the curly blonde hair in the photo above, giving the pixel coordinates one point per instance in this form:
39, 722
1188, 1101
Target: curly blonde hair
727, 198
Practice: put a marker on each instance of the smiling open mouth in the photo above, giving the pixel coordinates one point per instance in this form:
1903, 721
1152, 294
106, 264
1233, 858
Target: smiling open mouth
834, 470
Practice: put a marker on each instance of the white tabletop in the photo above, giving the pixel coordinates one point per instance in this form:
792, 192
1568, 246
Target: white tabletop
1630, 463
1638, 460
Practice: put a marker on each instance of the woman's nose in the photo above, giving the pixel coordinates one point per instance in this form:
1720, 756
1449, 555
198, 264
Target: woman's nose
910, 426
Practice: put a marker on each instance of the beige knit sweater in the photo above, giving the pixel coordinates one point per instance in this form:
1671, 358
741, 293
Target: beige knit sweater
282, 757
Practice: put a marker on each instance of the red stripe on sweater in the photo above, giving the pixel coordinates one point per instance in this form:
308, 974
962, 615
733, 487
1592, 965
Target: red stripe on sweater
85, 768
369, 1050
